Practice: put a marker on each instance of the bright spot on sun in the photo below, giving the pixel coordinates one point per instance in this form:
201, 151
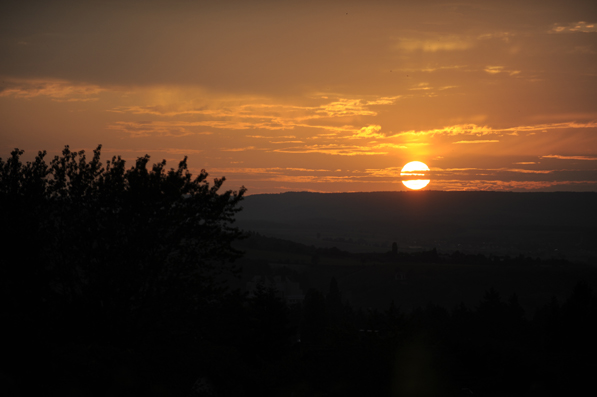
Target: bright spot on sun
414, 169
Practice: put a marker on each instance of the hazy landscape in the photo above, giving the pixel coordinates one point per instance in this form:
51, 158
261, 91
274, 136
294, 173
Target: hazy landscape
148, 281
298, 198
545, 225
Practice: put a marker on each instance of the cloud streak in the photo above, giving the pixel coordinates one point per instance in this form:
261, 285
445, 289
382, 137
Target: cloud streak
435, 44
556, 156
479, 141
57, 90
473, 129
581, 26
263, 116
333, 149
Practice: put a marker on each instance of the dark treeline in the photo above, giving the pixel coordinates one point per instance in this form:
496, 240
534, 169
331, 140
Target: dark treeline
112, 285
256, 240
490, 348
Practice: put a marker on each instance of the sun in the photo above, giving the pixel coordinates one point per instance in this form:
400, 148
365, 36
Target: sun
412, 170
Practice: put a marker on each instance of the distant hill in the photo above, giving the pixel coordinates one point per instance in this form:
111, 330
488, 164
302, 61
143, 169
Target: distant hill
411, 280
560, 224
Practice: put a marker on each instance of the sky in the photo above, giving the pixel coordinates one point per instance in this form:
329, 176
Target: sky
326, 96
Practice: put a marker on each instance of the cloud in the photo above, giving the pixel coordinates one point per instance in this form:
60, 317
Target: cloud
494, 69
147, 128
395, 173
387, 100
473, 129
435, 44
333, 149
430, 68
504, 36
370, 131
453, 130
479, 141
345, 107
259, 115
271, 137
342, 107
574, 27
389, 172
181, 128
523, 171
556, 156
351, 107
240, 149
554, 126
391, 145
500, 69
312, 178
497, 185
266, 170
421, 86
58, 90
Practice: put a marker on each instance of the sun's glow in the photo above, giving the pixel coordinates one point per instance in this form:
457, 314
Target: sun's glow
412, 170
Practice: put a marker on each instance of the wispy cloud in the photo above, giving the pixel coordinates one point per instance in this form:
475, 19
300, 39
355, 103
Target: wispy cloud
391, 145
453, 130
523, 171
494, 69
351, 107
271, 137
257, 115
435, 44
479, 141
504, 36
57, 90
370, 131
498, 185
421, 87
581, 26
240, 149
474, 129
500, 69
556, 156
148, 128
333, 149
268, 170
430, 69
342, 107
182, 128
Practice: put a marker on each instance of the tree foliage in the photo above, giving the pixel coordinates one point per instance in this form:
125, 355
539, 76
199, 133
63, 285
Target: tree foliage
110, 248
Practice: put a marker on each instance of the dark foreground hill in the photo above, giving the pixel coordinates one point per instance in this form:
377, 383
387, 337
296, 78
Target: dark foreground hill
561, 224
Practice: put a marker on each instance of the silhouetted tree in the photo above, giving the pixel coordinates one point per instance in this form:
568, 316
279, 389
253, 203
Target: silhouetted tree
313, 327
112, 253
269, 315
334, 301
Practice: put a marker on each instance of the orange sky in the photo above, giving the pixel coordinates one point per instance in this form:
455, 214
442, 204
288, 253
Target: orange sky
322, 96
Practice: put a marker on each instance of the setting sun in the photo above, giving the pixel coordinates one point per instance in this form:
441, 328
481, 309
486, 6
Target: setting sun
415, 169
